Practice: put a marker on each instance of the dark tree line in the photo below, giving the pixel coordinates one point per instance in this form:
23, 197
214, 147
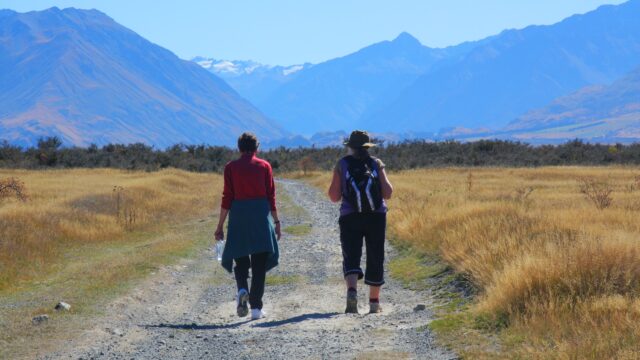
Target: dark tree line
49, 153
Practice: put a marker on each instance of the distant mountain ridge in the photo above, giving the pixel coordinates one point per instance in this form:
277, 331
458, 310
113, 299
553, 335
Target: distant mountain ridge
81, 76
593, 113
403, 87
519, 70
335, 94
253, 80
331, 95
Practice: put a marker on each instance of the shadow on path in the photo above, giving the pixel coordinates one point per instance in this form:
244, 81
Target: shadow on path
293, 320
194, 326
296, 319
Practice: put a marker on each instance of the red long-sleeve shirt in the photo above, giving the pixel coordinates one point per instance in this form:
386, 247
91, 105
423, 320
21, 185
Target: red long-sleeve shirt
248, 178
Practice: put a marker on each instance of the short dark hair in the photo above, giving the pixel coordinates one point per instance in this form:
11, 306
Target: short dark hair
247, 142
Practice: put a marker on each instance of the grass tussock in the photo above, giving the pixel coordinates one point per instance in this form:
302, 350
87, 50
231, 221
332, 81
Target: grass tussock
68, 208
13, 187
554, 251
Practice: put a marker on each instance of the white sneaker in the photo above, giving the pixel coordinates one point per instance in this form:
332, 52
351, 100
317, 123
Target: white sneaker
242, 299
257, 314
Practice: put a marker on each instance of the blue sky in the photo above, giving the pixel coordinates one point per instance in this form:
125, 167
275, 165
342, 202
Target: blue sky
285, 32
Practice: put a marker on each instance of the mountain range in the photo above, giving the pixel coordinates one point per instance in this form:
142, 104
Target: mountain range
404, 87
335, 94
520, 70
79, 75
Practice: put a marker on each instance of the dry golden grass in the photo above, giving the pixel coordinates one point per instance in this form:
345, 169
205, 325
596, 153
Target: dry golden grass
69, 208
559, 276
560, 273
78, 240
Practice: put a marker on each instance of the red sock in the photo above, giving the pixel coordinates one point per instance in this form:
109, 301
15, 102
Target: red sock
374, 301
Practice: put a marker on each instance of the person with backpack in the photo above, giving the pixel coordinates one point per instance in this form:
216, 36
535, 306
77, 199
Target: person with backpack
361, 183
249, 198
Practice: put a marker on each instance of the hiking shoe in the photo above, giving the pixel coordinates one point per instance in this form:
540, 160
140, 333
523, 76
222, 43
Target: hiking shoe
257, 314
352, 302
374, 308
243, 299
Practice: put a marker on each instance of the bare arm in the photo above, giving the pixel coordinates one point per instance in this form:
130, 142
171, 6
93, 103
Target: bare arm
225, 205
274, 215
271, 195
219, 231
385, 185
335, 193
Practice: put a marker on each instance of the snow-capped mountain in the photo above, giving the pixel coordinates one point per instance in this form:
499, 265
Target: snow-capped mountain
226, 67
234, 68
253, 80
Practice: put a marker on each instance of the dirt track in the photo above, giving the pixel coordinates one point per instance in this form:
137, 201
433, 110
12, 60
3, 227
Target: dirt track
187, 311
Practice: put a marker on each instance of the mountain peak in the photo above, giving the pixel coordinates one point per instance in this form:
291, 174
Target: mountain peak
7, 12
52, 9
94, 13
406, 38
73, 13
84, 60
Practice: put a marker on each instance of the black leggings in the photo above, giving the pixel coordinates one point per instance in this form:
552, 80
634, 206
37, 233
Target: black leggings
258, 265
353, 228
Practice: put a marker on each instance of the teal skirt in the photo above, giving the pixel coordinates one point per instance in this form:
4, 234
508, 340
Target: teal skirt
250, 231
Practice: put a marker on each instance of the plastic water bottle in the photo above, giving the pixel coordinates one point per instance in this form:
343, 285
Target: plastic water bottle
219, 249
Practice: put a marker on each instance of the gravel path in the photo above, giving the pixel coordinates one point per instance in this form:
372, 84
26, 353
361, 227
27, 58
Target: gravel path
187, 311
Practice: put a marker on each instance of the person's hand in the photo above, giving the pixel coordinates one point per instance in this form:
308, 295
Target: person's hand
278, 232
219, 235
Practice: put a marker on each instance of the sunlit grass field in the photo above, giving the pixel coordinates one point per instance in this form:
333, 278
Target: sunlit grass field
83, 235
68, 208
557, 276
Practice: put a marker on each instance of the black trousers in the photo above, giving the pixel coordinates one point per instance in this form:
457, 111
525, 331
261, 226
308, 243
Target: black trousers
258, 265
353, 229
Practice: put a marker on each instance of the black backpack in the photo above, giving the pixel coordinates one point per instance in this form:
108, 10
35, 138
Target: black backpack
363, 190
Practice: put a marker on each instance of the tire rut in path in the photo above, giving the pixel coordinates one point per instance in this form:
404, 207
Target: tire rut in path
187, 311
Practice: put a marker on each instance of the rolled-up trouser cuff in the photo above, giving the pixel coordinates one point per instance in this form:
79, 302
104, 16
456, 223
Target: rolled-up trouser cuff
374, 283
354, 271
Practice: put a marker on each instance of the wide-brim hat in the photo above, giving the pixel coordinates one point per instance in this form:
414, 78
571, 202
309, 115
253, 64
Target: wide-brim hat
359, 139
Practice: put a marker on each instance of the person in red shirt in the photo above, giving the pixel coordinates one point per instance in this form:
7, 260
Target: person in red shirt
249, 199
